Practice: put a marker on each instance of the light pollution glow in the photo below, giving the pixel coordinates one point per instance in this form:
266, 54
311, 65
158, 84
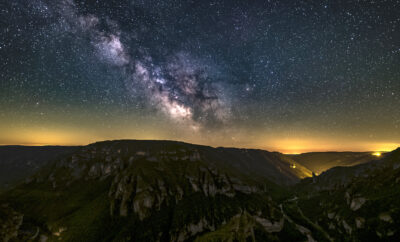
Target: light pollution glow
73, 136
378, 154
84, 75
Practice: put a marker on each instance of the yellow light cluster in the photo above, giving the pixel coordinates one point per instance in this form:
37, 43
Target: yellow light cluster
378, 154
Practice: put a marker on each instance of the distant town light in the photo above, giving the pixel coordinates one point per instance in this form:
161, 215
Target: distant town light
377, 154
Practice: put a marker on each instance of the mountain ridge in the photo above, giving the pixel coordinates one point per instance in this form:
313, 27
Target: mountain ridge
134, 190
141, 182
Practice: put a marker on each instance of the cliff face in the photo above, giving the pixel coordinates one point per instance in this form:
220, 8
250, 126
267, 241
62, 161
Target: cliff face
111, 157
171, 190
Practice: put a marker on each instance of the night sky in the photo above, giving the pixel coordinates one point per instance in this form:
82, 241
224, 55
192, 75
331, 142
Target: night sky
291, 76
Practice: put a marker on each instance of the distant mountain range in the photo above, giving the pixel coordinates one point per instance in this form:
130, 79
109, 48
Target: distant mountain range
132, 190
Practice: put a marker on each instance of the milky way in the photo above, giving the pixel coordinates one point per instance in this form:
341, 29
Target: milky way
271, 74
179, 87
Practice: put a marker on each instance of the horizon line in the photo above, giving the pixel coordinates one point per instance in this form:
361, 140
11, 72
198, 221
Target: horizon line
257, 148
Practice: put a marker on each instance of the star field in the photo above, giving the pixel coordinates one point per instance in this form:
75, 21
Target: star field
291, 76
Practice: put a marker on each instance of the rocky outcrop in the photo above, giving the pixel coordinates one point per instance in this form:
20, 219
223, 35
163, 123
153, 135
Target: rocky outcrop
192, 229
10, 222
141, 193
359, 222
145, 175
269, 226
347, 227
356, 203
386, 217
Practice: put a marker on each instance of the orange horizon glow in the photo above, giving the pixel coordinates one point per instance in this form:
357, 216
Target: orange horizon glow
285, 146
299, 146
270, 141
